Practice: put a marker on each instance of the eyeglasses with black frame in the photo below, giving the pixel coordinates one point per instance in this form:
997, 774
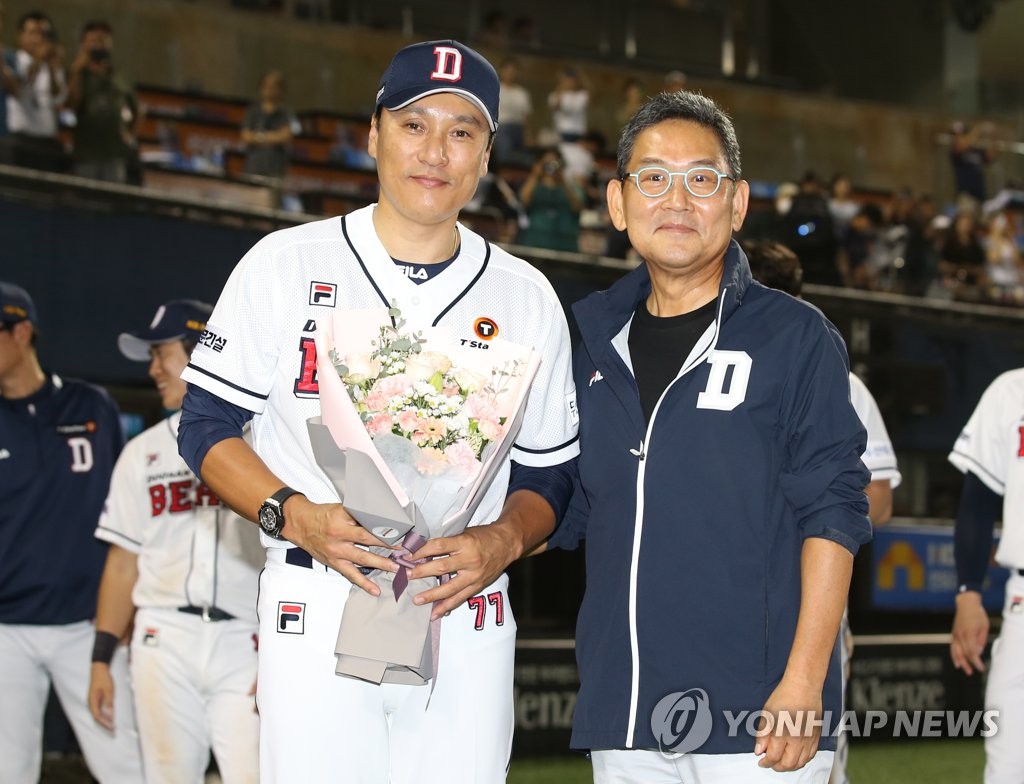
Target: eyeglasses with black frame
701, 181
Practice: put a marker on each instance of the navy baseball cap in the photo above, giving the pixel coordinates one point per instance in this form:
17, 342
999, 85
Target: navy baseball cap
16, 305
435, 67
179, 319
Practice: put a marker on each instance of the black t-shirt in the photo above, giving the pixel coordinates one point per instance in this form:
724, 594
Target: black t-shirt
659, 346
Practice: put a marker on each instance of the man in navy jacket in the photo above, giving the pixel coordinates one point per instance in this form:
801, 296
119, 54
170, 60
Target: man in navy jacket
721, 490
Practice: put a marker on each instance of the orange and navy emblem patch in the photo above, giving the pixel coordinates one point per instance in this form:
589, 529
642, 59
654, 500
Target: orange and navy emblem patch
485, 328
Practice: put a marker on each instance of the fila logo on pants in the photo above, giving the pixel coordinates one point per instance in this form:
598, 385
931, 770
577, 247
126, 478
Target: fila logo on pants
291, 617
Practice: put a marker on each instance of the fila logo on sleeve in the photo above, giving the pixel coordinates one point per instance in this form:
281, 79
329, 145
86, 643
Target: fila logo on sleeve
291, 617
323, 294
448, 67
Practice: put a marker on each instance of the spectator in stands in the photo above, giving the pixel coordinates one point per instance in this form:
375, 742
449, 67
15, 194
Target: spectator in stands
514, 109
1003, 264
268, 129
552, 202
856, 255
580, 158
841, 204
496, 197
105, 108
920, 253
633, 96
962, 260
349, 150
8, 78
807, 229
33, 104
970, 153
568, 102
889, 252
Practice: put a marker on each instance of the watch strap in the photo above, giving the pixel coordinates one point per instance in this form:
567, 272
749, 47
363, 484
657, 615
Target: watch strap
283, 495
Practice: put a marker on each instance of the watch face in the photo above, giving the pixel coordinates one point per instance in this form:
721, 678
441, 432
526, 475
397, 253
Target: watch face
268, 519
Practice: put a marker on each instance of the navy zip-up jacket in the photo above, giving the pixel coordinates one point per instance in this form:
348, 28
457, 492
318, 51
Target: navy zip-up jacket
695, 522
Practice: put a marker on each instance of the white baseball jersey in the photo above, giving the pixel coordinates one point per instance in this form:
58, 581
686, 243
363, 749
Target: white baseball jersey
258, 351
192, 679
878, 456
991, 446
191, 549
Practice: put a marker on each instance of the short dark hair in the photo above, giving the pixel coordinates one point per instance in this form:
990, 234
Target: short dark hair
94, 26
8, 326
33, 16
775, 266
682, 105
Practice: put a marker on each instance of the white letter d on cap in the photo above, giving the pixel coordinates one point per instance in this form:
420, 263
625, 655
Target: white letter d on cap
715, 397
449, 64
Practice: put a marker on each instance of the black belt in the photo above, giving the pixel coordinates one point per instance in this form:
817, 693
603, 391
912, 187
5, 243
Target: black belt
296, 556
1020, 572
208, 613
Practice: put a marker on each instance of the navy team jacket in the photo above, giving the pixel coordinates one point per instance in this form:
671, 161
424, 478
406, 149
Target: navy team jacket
57, 451
695, 522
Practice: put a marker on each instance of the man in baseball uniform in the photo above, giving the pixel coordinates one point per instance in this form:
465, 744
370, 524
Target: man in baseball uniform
187, 569
58, 442
990, 453
431, 135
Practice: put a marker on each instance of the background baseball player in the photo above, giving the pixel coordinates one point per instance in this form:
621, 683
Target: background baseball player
58, 442
191, 567
990, 453
430, 135
775, 265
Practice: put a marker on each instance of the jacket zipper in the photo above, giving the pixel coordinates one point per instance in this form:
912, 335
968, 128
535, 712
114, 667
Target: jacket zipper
641, 455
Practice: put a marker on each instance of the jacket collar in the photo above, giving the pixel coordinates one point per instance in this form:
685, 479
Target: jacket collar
602, 315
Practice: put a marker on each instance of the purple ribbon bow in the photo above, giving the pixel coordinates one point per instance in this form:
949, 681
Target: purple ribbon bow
404, 558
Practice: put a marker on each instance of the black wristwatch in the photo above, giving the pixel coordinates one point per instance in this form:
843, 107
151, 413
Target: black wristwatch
271, 515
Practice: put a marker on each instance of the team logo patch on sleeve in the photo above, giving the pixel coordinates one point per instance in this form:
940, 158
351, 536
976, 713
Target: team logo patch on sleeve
291, 617
323, 294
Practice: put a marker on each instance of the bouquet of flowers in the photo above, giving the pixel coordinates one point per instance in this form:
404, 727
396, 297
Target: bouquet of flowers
414, 427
